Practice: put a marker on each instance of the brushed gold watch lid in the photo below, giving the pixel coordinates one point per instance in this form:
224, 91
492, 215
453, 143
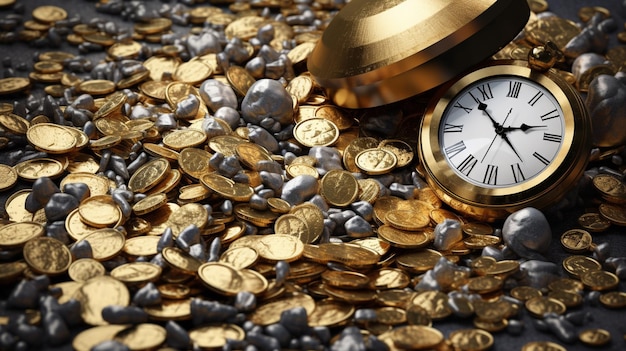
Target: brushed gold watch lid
377, 52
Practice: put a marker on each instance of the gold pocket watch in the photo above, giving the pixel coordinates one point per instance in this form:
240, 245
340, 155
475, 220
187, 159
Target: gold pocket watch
497, 136
503, 137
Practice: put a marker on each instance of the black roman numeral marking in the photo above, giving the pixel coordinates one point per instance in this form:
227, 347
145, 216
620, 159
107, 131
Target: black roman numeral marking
541, 159
514, 89
518, 176
452, 128
491, 175
466, 109
535, 98
455, 149
552, 137
467, 165
550, 115
485, 93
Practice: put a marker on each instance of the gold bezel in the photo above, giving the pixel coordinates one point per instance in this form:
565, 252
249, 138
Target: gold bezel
543, 189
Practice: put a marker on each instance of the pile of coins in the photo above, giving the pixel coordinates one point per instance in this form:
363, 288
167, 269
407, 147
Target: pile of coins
195, 189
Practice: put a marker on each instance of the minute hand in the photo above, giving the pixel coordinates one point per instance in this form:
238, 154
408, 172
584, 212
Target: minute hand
524, 127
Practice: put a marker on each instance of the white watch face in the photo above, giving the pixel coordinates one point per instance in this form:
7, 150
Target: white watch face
501, 131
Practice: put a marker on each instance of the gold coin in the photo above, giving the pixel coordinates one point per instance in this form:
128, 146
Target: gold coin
376, 161
184, 138
314, 218
280, 247
227, 280
554, 28
46, 255
595, 337
100, 211
49, 14
610, 187
240, 257
225, 144
149, 204
503, 268
193, 193
569, 299
402, 238
153, 26
335, 115
576, 240
251, 154
403, 151
542, 346
51, 138
160, 66
407, 220
613, 213
369, 190
485, 284
17, 234
345, 280
84, 269
478, 242
11, 271
350, 255
34, 169
215, 337
12, 85
192, 72
278, 205
538, 6
124, 50
240, 79
171, 180
149, 175
194, 162
300, 87
142, 245
525, 293
316, 132
415, 337
294, 170
181, 260
145, 336
96, 294
599, 280
16, 210
105, 243
613, 299
186, 215
160, 151
566, 284
256, 217
88, 338
330, 313
174, 291
96, 87
593, 222
419, 261
113, 103
434, 302
136, 272
14, 123
292, 225
269, 312
471, 339
227, 188
578, 265
339, 188
540, 306
388, 278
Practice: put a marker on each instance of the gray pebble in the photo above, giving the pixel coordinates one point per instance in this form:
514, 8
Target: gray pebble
110, 345
601, 251
402, 191
58, 231
263, 138
56, 331
214, 250
177, 336
81, 249
42, 190
318, 200
515, 327
593, 298
190, 235
538, 274
447, 234
24, 295
295, 321
79, 190
280, 333
273, 181
428, 282
267, 98
71, 312
282, 271
605, 101
527, 232
245, 301
124, 314
363, 209
123, 204
350, 339
228, 114
118, 165
364, 315
561, 328
579, 318
230, 166
262, 342
199, 252
299, 189
216, 94
59, 206
460, 305
326, 158
357, 227
188, 107
165, 121
148, 295
203, 311
258, 203
213, 128
166, 240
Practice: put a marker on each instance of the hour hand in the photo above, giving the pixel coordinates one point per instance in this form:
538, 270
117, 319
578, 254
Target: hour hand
524, 127
483, 107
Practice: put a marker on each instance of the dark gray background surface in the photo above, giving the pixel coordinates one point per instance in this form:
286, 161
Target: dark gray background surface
612, 320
